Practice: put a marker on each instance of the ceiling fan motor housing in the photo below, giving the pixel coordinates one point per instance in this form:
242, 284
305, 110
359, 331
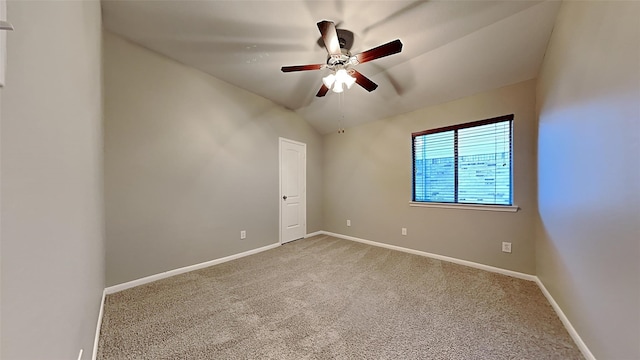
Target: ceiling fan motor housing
345, 39
338, 60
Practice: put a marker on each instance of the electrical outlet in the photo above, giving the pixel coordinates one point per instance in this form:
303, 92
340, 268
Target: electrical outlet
506, 247
404, 231
348, 222
243, 234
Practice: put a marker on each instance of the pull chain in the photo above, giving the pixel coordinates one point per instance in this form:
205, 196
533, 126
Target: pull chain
341, 118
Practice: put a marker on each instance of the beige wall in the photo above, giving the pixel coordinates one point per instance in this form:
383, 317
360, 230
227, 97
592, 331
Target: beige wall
588, 242
367, 179
51, 159
189, 162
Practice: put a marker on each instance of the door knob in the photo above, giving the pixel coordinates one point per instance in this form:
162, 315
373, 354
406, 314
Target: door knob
284, 197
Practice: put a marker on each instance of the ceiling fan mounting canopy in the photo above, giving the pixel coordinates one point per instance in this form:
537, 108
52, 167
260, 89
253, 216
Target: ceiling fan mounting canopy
338, 43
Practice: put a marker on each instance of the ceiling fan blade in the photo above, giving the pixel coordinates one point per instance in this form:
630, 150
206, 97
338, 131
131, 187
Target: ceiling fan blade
301, 67
364, 81
330, 37
390, 48
323, 91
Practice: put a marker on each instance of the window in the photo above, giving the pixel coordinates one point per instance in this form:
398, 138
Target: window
467, 164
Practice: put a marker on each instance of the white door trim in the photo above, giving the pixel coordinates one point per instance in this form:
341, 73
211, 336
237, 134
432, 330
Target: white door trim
304, 189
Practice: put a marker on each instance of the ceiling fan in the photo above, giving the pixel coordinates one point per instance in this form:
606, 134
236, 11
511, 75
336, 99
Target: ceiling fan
341, 62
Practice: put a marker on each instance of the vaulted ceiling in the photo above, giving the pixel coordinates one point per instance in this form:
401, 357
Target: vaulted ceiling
452, 49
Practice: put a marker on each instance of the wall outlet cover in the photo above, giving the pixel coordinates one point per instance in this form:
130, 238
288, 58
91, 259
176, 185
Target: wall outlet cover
506, 247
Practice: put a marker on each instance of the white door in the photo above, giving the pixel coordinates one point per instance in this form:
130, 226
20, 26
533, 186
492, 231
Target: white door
293, 192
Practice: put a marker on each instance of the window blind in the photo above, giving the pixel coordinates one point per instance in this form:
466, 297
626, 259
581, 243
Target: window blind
468, 163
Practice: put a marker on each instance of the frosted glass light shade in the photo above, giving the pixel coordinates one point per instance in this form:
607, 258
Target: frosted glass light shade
329, 80
349, 81
337, 81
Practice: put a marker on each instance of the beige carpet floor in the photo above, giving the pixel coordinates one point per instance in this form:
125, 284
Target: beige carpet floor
328, 298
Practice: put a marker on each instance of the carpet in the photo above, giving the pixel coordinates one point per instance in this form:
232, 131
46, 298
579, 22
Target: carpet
328, 298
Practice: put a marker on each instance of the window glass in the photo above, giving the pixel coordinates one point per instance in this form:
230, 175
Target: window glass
469, 163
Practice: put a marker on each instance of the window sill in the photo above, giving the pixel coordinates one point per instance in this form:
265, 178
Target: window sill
501, 208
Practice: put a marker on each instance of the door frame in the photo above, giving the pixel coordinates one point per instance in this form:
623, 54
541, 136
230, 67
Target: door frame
304, 188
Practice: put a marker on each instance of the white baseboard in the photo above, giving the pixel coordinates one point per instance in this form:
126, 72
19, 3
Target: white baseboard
472, 264
314, 234
565, 321
182, 270
567, 324
94, 355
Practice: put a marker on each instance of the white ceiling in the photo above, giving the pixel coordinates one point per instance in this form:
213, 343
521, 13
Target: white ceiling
452, 49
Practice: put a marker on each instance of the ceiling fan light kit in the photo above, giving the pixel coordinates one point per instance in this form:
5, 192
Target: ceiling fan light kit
338, 81
340, 61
